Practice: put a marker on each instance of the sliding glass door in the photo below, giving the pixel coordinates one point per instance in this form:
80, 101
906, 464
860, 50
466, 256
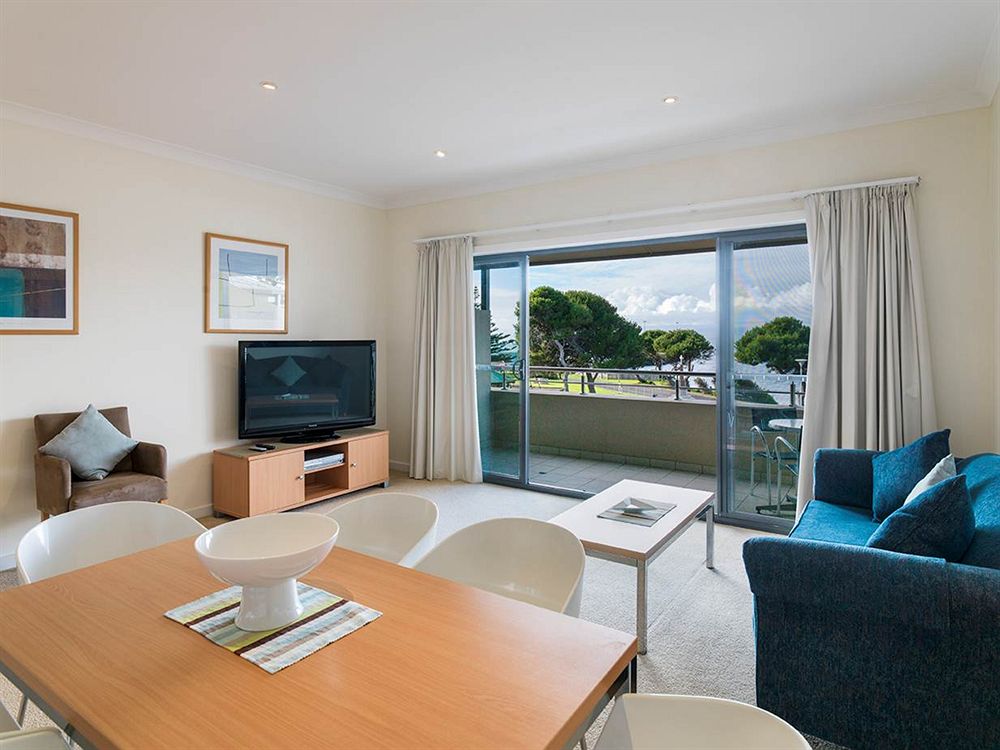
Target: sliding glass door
764, 323
679, 361
500, 388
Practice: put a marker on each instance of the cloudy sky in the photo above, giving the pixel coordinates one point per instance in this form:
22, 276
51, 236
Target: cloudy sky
676, 291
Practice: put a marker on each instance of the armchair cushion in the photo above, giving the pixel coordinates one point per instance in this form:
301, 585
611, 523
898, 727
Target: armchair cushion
150, 458
122, 485
897, 472
91, 444
938, 523
839, 524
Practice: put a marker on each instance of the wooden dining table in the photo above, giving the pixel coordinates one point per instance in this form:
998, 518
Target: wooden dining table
445, 666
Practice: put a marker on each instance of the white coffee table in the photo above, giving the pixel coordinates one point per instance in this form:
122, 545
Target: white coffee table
635, 545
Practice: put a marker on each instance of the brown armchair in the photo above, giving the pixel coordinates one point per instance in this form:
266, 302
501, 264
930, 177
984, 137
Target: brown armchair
141, 475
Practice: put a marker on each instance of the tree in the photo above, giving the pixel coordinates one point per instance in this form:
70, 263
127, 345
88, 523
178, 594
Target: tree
649, 337
610, 340
747, 390
682, 348
555, 321
776, 344
503, 348
581, 329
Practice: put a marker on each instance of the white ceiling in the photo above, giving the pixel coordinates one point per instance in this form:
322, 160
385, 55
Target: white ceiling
515, 92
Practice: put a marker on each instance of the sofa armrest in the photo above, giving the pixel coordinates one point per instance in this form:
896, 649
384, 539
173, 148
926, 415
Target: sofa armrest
871, 583
53, 484
843, 476
150, 458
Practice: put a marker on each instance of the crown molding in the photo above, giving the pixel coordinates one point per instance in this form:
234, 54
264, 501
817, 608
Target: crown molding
64, 124
825, 125
981, 96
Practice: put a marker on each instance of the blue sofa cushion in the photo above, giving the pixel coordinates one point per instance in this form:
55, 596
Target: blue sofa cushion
840, 524
844, 476
895, 473
982, 475
937, 523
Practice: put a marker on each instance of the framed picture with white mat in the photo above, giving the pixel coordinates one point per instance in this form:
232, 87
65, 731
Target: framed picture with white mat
246, 285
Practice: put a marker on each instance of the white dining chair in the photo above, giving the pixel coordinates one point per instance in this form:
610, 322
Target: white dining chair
33, 739
393, 526
14, 738
520, 558
693, 722
88, 536
7, 723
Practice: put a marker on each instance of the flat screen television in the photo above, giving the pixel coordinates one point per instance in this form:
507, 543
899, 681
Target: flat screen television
304, 391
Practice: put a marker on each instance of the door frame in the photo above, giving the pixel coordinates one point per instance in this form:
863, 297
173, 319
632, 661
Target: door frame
519, 261
726, 244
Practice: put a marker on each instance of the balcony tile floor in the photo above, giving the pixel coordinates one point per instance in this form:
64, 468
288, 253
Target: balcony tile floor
586, 475
592, 476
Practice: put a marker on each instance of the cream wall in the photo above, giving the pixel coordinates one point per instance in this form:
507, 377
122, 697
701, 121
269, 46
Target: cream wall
141, 341
352, 274
949, 152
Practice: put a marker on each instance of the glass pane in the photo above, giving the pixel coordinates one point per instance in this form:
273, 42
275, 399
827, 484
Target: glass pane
497, 293
622, 377
771, 311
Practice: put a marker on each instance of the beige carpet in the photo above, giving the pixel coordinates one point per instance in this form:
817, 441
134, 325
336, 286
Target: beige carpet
700, 627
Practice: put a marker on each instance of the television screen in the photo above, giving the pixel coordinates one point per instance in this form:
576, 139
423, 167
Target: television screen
304, 388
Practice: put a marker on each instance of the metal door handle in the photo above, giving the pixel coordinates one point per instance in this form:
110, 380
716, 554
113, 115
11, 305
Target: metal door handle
354, 465
300, 477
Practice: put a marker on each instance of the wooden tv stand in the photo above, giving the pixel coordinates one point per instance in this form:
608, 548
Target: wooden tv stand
248, 483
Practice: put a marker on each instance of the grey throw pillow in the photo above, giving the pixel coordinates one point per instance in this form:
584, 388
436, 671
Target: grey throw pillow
91, 444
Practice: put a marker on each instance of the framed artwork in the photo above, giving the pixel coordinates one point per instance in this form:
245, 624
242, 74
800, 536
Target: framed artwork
39, 270
246, 285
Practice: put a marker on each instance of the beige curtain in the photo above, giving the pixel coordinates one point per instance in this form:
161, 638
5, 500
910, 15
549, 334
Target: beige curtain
869, 366
445, 437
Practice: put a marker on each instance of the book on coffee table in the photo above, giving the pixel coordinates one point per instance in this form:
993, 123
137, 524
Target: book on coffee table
637, 511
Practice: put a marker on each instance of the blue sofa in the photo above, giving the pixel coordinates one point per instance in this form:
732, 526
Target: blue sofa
875, 649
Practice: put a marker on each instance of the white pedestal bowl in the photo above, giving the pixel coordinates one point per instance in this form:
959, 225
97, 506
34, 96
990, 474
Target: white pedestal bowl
266, 555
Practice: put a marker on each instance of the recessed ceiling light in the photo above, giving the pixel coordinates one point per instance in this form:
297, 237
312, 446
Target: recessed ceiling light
269, 85
670, 100
440, 154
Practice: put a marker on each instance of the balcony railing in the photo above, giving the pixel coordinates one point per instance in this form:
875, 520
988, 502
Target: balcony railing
693, 385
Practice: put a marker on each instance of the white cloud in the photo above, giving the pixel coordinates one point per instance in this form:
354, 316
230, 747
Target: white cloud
687, 303
635, 301
790, 301
648, 305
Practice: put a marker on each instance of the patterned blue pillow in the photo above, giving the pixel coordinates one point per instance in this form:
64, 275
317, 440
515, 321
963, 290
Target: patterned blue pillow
897, 472
937, 523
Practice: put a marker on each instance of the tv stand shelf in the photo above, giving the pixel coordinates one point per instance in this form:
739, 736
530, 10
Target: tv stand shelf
248, 483
325, 468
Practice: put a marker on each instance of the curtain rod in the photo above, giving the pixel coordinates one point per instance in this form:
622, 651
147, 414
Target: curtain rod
681, 209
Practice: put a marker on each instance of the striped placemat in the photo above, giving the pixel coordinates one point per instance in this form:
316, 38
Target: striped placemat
325, 619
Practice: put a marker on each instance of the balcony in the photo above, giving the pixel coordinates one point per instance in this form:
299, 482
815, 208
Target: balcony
647, 425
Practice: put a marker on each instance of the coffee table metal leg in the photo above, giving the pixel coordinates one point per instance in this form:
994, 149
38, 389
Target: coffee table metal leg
710, 538
640, 604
